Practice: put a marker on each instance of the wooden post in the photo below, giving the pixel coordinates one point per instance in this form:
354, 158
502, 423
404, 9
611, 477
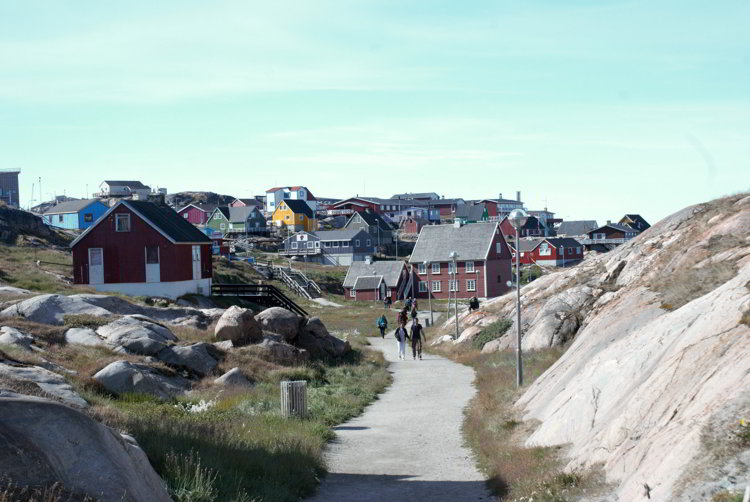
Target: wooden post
294, 398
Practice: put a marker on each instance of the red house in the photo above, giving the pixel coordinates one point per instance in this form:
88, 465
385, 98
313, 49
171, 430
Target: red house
532, 228
413, 225
143, 249
553, 252
483, 261
377, 281
197, 214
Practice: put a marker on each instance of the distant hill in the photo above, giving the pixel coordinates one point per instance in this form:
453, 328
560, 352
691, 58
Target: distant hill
15, 224
182, 199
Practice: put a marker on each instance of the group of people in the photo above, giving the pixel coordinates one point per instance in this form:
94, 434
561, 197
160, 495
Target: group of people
415, 334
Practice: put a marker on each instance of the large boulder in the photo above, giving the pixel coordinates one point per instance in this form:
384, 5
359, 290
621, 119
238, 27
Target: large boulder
44, 442
51, 309
281, 321
314, 338
137, 334
239, 326
197, 358
48, 381
10, 290
11, 336
274, 348
233, 378
121, 377
84, 336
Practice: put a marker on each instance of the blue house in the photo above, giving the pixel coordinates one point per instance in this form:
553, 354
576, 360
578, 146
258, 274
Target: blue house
75, 214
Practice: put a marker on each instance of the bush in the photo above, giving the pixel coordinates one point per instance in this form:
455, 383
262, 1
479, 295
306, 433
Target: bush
85, 321
492, 332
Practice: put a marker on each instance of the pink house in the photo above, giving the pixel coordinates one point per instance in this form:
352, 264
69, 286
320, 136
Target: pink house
197, 214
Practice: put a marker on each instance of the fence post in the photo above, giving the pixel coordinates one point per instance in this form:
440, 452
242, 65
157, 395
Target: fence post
294, 398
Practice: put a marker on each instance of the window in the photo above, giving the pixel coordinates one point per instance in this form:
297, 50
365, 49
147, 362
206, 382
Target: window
310, 245
450, 268
286, 195
122, 223
469, 267
436, 286
152, 255
453, 285
327, 244
286, 217
422, 269
353, 293
59, 218
544, 249
223, 226
300, 217
471, 285
436, 269
382, 207
356, 243
422, 286
578, 250
600, 236
317, 244
294, 245
499, 248
185, 215
335, 244
369, 243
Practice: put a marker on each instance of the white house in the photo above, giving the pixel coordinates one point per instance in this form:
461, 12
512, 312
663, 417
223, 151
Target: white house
276, 194
111, 188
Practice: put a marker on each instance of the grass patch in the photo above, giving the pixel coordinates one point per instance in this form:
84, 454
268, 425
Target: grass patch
726, 496
745, 318
492, 332
86, 321
11, 492
685, 285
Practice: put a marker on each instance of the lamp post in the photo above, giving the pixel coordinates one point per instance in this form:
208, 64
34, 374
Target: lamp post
518, 218
429, 289
453, 257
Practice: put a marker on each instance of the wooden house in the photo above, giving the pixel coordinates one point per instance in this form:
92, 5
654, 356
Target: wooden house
532, 228
197, 214
143, 249
121, 188
377, 280
75, 214
548, 252
483, 261
413, 225
472, 213
276, 195
294, 216
635, 221
237, 220
331, 247
248, 203
373, 224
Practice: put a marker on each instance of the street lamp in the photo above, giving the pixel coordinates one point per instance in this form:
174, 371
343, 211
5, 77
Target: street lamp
429, 289
518, 218
453, 257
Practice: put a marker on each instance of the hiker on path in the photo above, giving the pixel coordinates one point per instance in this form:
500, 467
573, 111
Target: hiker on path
403, 317
407, 303
390, 301
414, 314
417, 335
401, 335
383, 325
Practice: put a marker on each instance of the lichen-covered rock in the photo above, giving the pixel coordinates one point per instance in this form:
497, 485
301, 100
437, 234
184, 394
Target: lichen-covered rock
197, 358
239, 326
51, 309
234, 377
48, 381
121, 377
314, 338
84, 336
280, 352
137, 335
282, 322
12, 336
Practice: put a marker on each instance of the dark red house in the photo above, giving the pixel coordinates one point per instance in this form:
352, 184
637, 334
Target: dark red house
552, 252
532, 228
197, 214
413, 225
377, 281
143, 249
483, 261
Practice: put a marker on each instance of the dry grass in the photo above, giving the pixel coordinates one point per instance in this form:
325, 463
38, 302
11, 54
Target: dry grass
11, 492
52, 335
746, 318
685, 285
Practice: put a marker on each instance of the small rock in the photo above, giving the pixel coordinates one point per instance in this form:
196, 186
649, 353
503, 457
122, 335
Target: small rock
49, 382
137, 335
122, 377
225, 345
233, 377
84, 336
11, 336
442, 339
315, 338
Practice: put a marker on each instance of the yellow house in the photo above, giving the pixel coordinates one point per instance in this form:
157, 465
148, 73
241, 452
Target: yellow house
296, 215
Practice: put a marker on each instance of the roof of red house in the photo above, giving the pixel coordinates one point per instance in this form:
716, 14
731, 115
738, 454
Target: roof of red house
162, 219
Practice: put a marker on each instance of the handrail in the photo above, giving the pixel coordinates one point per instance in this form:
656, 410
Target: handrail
258, 290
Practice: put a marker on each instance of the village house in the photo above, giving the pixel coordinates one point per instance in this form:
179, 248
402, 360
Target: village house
472, 213
294, 216
143, 249
549, 252
9, 186
331, 247
446, 208
112, 188
483, 261
425, 196
608, 237
413, 225
248, 203
576, 228
75, 214
197, 214
373, 224
532, 228
634, 221
377, 281
276, 195
237, 220
501, 207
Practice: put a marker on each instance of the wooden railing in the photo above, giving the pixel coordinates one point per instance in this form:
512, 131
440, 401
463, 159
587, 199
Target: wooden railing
265, 294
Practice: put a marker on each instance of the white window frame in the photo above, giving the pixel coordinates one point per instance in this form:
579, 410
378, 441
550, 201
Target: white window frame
122, 217
345, 244
356, 243
436, 268
317, 244
578, 250
471, 285
469, 267
327, 244
452, 285
310, 245
294, 245
369, 243
450, 268
353, 293
335, 244
545, 249
423, 286
437, 286
222, 226
185, 215
421, 269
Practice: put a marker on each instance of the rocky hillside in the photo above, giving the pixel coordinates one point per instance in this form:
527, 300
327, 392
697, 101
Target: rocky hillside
657, 375
182, 199
15, 223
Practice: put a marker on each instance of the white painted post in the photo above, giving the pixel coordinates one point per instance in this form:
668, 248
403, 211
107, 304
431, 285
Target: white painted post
294, 398
746, 498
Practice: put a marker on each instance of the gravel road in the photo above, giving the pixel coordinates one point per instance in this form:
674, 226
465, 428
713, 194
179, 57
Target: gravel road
407, 446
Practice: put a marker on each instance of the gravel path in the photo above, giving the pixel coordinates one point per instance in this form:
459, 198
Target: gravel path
407, 446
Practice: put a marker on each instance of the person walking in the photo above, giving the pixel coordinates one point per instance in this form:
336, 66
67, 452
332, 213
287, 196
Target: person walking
401, 335
385, 303
417, 335
414, 314
407, 304
403, 316
383, 325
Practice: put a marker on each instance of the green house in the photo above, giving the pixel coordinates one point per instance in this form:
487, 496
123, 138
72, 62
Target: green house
237, 220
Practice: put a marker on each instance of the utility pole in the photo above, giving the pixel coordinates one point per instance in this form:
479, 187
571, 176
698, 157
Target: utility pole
41, 194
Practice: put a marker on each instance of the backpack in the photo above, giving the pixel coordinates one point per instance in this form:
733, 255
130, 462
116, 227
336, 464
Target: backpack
382, 323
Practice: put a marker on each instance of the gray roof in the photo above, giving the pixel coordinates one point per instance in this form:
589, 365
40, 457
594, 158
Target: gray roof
389, 270
565, 242
130, 184
372, 219
471, 242
368, 283
576, 227
617, 226
472, 212
71, 206
338, 235
240, 214
527, 245
421, 195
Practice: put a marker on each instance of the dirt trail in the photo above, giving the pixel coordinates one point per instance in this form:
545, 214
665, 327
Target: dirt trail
407, 446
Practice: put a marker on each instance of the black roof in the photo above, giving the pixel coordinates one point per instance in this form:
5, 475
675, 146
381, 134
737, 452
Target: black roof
299, 207
373, 219
567, 242
167, 221
71, 206
129, 184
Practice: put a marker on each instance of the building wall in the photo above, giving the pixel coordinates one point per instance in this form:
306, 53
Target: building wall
172, 290
195, 215
125, 257
364, 296
9, 188
68, 220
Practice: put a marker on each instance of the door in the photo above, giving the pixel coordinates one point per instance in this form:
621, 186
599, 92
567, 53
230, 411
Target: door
153, 269
381, 295
96, 266
196, 263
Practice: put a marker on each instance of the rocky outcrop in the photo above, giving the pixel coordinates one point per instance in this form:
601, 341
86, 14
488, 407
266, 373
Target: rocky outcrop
44, 443
10, 290
282, 322
233, 377
15, 223
239, 326
659, 349
314, 338
121, 377
86, 337
11, 336
137, 335
275, 349
51, 309
49, 382
197, 358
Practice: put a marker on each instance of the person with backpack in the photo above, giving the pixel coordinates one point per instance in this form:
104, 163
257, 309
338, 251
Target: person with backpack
417, 335
383, 325
403, 317
414, 314
401, 335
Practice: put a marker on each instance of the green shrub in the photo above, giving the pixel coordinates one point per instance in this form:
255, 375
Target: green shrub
188, 480
492, 332
85, 321
726, 496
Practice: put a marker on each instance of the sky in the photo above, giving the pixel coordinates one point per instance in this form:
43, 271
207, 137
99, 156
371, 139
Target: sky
593, 109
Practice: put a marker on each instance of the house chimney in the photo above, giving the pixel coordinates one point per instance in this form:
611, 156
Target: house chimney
518, 196
500, 196
609, 222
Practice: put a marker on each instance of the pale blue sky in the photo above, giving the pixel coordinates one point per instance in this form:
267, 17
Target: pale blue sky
598, 107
